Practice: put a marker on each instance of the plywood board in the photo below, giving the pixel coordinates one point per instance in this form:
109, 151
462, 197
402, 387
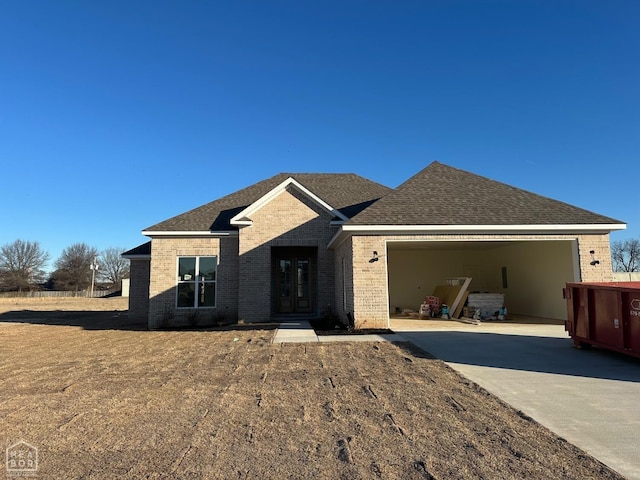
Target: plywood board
458, 303
447, 294
460, 306
441, 292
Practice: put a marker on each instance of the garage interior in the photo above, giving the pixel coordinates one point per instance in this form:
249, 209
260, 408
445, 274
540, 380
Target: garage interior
529, 273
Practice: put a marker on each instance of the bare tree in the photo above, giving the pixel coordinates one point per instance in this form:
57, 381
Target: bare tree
113, 268
22, 265
625, 255
73, 268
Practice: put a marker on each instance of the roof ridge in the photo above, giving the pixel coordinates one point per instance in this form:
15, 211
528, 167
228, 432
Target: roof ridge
314, 174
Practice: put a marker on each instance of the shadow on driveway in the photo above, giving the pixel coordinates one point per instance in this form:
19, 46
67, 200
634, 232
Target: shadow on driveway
525, 352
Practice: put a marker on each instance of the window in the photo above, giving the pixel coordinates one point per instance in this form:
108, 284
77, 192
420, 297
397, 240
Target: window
196, 282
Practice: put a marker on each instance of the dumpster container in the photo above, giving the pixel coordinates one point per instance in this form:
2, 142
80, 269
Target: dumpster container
606, 315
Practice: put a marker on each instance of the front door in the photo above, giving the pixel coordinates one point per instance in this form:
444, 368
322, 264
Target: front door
293, 283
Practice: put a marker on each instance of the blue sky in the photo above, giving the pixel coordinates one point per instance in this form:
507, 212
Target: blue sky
117, 115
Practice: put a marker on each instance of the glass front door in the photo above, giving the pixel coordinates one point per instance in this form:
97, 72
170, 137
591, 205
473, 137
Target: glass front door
294, 284
303, 298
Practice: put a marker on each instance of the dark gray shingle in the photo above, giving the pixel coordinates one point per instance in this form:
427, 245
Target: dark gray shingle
443, 195
143, 250
346, 192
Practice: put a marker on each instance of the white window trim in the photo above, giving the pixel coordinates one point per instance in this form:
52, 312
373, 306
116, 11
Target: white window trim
197, 282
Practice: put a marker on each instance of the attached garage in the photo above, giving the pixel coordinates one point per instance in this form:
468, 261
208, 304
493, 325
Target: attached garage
529, 273
445, 223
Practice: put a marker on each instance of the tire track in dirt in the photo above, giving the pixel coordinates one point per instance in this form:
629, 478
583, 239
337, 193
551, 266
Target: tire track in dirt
70, 421
228, 404
238, 409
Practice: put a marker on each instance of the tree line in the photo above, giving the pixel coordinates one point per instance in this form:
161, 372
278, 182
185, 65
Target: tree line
23, 264
625, 255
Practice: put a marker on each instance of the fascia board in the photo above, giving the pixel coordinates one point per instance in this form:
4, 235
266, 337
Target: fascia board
240, 218
347, 230
136, 257
152, 233
570, 228
318, 200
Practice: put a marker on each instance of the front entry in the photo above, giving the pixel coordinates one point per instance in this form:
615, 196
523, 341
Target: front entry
293, 278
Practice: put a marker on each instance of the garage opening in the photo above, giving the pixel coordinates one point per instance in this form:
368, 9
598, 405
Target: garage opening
530, 274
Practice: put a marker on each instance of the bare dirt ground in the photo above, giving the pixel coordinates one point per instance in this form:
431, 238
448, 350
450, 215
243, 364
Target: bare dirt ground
102, 398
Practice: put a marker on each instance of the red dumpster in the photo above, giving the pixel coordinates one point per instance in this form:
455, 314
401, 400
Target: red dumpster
606, 315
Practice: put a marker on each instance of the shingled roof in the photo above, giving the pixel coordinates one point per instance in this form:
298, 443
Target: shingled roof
143, 250
346, 192
443, 195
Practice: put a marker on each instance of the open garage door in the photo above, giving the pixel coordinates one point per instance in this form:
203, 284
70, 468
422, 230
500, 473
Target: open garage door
530, 273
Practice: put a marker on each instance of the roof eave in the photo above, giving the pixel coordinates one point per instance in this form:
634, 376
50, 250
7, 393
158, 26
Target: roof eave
206, 233
534, 228
347, 230
137, 257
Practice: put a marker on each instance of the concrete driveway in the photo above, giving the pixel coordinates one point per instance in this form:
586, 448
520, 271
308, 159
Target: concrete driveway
589, 397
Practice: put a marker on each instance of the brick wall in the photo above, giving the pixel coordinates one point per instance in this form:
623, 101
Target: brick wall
289, 220
600, 244
244, 287
139, 289
343, 267
370, 303
162, 290
369, 297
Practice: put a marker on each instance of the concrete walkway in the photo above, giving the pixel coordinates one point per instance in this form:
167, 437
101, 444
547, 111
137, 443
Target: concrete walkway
301, 332
589, 397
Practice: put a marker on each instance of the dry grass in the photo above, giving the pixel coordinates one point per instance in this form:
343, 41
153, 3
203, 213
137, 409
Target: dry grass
78, 304
104, 399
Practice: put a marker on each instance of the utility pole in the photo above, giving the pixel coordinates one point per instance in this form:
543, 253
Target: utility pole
94, 268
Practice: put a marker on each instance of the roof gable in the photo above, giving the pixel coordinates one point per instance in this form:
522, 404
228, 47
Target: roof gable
243, 217
442, 195
346, 193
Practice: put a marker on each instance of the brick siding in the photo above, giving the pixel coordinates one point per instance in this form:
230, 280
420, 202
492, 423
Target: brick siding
369, 296
139, 289
370, 303
346, 281
289, 220
162, 291
600, 244
343, 267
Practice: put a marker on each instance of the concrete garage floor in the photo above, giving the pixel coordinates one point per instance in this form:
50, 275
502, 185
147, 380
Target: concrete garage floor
589, 397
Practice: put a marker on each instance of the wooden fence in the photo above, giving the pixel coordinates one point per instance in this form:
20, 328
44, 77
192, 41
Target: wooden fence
56, 294
626, 276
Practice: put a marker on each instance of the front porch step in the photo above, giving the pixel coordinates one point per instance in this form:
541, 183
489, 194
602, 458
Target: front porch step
298, 331
294, 318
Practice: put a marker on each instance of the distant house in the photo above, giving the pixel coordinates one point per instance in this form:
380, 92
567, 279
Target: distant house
301, 244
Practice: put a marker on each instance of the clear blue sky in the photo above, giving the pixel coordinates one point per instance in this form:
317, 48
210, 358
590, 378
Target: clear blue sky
116, 115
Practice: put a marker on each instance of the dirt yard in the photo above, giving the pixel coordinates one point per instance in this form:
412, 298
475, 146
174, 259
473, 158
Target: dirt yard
102, 399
